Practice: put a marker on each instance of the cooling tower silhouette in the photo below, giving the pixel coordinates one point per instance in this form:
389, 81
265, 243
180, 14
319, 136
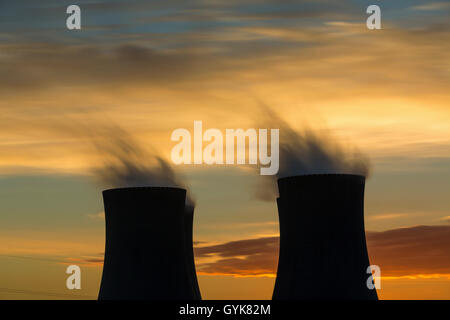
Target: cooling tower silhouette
148, 250
189, 249
323, 253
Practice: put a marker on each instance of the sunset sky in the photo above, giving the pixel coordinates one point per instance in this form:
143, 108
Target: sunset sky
150, 67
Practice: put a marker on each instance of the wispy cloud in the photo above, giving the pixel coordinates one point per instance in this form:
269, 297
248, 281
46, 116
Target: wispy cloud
411, 251
97, 216
252, 257
445, 219
387, 216
432, 6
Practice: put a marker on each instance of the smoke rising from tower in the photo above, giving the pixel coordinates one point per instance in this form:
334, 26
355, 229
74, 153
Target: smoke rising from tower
127, 164
149, 220
305, 152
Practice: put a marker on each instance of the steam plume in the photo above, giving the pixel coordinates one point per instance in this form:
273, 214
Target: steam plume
127, 164
308, 152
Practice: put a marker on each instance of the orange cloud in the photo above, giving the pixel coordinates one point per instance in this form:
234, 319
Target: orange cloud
413, 252
253, 257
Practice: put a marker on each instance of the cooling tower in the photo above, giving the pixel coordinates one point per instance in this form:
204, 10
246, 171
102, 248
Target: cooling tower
148, 254
323, 253
189, 249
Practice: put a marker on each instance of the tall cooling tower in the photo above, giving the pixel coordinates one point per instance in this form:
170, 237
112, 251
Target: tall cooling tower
323, 253
148, 251
189, 249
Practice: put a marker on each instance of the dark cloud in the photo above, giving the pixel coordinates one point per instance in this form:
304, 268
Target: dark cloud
409, 251
239, 248
245, 257
98, 260
419, 250
42, 65
91, 260
252, 11
398, 252
208, 52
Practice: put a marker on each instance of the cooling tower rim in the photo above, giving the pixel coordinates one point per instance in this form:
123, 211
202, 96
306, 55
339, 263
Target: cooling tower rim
287, 184
159, 188
349, 175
